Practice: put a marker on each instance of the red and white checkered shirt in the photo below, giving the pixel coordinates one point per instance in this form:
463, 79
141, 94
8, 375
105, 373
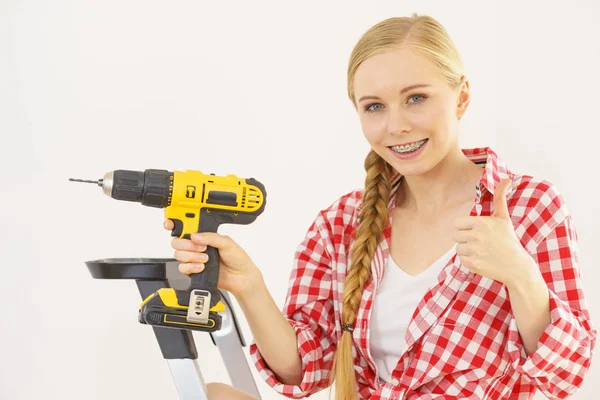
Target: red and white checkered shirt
462, 341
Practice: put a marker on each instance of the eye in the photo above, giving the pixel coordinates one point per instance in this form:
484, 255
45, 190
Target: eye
370, 108
422, 96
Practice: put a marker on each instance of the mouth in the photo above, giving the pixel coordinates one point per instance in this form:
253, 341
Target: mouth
408, 147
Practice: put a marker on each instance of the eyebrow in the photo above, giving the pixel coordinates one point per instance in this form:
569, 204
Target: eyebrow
406, 89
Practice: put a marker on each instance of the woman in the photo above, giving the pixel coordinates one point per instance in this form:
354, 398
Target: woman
449, 275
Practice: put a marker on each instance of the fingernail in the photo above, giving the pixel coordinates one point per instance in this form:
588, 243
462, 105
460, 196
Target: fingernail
203, 257
199, 267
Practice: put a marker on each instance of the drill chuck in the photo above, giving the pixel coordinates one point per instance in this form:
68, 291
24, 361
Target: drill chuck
151, 187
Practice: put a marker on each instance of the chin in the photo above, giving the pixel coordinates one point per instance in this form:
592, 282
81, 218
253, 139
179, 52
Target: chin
412, 167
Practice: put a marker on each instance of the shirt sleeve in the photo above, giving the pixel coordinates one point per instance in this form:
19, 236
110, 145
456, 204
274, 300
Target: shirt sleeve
309, 309
562, 359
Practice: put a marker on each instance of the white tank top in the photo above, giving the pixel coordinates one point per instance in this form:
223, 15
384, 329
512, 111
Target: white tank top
394, 304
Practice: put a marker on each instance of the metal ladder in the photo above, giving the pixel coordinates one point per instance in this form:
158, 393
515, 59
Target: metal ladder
177, 345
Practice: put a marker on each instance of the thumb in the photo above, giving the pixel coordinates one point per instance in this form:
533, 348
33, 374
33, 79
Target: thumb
500, 204
212, 239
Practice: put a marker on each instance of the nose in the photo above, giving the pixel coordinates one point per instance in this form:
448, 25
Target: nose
398, 123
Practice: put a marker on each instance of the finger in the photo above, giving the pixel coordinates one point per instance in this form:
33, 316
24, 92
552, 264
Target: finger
190, 268
469, 263
168, 224
212, 239
468, 222
191, 256
462, 236
463, 250
187, 245
500, 203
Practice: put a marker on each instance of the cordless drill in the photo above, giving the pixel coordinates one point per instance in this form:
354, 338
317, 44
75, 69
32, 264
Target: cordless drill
195, 202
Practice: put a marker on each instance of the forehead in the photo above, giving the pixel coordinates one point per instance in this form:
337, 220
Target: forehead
394, 70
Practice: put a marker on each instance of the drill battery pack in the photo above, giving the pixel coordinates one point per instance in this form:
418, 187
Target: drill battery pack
169, 308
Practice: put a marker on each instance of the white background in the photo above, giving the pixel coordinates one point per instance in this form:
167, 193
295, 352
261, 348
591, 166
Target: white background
256, 89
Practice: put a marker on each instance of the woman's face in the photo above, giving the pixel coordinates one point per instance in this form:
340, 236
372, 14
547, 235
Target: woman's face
402, 99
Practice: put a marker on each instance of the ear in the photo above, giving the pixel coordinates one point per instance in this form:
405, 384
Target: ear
464, 97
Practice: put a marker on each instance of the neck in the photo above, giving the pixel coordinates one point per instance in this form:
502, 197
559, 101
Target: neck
449, 183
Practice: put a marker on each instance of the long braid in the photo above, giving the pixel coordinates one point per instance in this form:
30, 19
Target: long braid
373, 221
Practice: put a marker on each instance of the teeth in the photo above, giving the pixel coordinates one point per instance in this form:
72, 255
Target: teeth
408, 148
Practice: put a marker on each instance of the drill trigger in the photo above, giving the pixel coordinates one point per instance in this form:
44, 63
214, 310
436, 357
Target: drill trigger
177, 227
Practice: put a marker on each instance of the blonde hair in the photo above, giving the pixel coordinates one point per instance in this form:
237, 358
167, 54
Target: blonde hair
428, 37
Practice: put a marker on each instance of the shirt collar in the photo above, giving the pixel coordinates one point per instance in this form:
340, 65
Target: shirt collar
495, 169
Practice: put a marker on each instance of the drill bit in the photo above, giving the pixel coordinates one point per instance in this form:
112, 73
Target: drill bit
106, 182
98, 182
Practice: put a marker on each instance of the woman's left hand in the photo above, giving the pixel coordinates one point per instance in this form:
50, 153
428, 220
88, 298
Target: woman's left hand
489, 246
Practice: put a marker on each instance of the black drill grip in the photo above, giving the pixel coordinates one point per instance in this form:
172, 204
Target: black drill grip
208, 279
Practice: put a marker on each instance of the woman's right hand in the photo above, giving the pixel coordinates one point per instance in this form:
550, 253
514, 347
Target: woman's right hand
237, 272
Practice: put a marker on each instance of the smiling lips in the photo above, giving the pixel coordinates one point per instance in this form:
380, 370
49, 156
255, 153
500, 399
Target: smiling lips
407, 144
409, 151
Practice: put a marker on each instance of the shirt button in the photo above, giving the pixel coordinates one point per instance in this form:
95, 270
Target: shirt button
395, 382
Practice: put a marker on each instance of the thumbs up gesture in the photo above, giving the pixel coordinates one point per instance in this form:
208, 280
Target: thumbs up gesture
489, 246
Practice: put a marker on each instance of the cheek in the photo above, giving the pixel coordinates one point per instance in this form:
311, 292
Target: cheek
374, 128
434, 121
429, 117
